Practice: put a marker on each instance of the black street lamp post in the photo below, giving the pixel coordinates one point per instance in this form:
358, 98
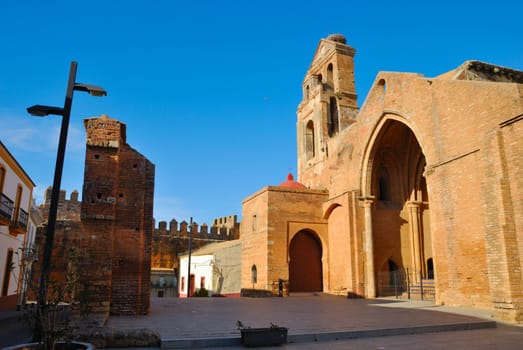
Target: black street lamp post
189, 261
65, 112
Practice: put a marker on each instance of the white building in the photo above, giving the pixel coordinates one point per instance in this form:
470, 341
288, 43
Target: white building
30, 251
215, 267
16, 191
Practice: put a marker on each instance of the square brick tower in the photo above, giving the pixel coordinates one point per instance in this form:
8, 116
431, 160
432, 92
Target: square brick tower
117, 217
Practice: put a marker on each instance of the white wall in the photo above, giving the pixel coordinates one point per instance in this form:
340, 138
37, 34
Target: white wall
12, 180
7, 242
14, 177
201, 266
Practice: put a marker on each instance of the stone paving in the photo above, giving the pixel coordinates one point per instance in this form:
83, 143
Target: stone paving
200, 322
318, 321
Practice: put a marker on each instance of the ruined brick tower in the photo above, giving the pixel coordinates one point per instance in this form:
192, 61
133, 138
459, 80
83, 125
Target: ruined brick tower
111, 232
117, 214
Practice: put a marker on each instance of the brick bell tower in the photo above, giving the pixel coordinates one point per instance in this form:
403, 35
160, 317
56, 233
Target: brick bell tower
328, 106
117, 214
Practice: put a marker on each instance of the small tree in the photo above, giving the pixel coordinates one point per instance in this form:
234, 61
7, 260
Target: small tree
52, 321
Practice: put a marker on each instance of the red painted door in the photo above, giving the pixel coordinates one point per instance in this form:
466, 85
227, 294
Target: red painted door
305, 267
192, 285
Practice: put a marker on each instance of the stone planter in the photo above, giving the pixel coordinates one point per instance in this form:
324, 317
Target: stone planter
74, 345
271, 336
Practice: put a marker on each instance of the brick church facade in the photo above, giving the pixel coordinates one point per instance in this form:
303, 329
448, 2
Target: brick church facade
423, 182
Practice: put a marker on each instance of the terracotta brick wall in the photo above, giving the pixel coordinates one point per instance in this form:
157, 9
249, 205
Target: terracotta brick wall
119, 191
115, 231
271, 217
469, 133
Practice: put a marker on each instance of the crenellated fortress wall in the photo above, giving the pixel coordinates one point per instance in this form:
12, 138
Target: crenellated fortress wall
224, 228
173, 239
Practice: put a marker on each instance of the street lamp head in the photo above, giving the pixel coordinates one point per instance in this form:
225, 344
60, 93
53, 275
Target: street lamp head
92, 90
42, 111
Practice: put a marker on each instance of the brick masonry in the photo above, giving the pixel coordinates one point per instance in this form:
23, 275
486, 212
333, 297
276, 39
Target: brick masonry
170, 241
114, 233
426, 173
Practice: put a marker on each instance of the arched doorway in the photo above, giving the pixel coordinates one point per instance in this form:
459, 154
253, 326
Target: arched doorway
305, 267
400, 203
390, 279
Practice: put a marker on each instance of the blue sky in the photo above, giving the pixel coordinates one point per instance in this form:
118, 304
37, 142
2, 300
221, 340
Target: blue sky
209, 89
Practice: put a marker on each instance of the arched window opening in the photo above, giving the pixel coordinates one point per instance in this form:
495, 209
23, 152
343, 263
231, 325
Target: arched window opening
381, 89
330, 73
383, 85
332, 121
306, 93
254, 274
430, 269
309, 140
254, 223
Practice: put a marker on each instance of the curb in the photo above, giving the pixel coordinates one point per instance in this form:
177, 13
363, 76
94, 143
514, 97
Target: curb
185, 343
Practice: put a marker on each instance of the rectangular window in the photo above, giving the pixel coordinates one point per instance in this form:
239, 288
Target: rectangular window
2, 178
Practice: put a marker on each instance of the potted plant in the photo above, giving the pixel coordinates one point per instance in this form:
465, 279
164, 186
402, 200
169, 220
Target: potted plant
265, 336
54, 322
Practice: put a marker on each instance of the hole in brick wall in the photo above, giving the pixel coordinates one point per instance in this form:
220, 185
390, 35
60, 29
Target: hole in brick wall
135, 165
137, 229
120, 195
99, 195
96, 156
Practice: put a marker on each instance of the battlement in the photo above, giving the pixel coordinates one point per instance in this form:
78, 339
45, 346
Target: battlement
224, 228
68, 209
226, 221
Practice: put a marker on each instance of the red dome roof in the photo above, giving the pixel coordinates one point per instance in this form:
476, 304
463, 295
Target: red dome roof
291, 183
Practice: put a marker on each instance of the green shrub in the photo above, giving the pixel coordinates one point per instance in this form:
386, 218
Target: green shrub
202, 292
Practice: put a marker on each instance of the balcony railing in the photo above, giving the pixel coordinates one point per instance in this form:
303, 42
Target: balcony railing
6, 207
16, 218
21, 221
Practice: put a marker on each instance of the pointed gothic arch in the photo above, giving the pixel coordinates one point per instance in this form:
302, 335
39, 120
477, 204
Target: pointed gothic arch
397, 221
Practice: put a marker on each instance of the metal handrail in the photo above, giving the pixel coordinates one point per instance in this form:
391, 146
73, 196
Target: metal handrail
6, 206
23, 218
